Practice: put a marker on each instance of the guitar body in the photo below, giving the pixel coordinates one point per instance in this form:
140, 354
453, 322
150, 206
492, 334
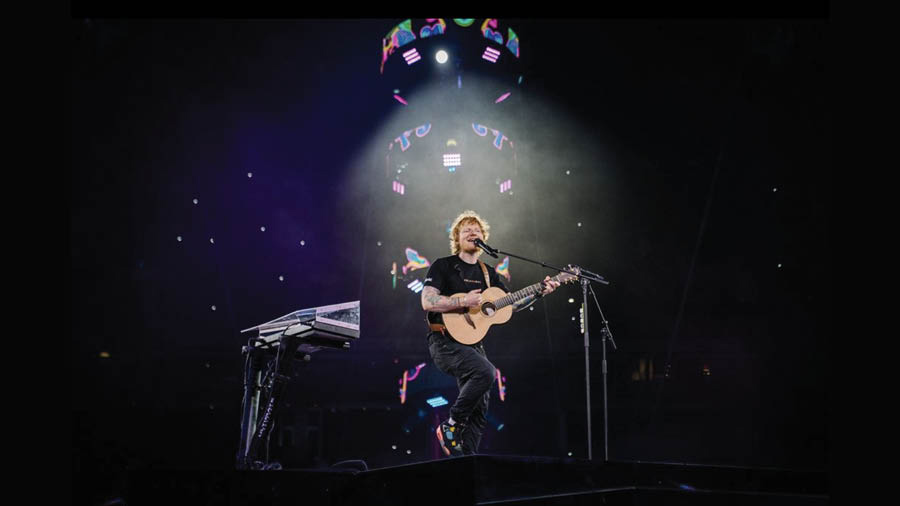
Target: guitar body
470, 325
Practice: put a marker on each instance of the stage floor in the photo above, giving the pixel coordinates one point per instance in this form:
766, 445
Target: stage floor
485, 479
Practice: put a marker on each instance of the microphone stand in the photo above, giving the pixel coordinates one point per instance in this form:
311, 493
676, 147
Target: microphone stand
605, 332
585, 276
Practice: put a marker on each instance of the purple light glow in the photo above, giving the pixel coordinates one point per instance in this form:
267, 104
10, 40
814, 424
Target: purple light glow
400, 99
502, 97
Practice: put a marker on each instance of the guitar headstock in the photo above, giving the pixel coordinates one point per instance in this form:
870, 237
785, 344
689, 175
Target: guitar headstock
571, 276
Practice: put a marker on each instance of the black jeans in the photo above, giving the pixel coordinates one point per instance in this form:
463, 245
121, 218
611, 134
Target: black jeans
474, 376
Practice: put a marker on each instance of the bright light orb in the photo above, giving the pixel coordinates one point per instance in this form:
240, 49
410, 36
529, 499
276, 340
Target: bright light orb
441, 56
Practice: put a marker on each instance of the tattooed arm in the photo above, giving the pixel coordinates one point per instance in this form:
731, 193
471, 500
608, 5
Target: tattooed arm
432, 300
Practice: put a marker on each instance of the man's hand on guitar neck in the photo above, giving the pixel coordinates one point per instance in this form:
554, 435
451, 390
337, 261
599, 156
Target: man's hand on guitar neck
548, 286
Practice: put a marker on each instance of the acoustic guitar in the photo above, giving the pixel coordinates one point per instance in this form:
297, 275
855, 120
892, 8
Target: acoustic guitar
470, 325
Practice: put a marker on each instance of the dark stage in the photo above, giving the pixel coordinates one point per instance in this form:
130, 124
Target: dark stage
226, 173
485, 479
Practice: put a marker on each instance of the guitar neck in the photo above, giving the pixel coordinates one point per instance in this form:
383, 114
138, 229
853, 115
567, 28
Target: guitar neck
512, 298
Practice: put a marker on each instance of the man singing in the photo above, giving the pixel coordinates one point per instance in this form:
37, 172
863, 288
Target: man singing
462, 272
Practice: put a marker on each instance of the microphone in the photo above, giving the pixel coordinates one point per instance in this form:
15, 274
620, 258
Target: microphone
484, 247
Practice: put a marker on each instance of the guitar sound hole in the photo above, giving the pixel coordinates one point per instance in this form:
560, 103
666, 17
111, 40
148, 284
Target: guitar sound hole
488, 309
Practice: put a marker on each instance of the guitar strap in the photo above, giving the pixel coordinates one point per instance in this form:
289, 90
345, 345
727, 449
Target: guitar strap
487, 279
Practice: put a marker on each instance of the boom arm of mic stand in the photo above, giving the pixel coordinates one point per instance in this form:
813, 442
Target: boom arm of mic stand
598, 277
583, 274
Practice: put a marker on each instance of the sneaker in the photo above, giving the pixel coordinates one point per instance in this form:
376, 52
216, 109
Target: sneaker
448, 435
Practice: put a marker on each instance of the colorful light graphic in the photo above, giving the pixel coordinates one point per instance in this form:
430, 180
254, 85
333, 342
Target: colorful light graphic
452, 160
437, 28
501, 99
398, 98
489, 33
491, 54
406, 379
394, 275
499, 138
414, 261
512, 42
482, 131
411, 56
505, 185
401, 35
404, 33
422, 130
503, 268
403, 139
500, 386
416, 286
399, 187
437, 401
416, 374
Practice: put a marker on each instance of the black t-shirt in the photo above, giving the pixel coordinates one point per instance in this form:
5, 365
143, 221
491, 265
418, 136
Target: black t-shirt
451, 275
